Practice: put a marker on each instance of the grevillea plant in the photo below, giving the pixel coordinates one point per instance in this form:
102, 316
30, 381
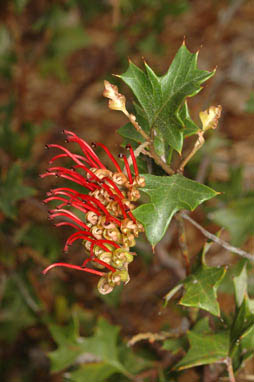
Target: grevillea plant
106, 218
109, 228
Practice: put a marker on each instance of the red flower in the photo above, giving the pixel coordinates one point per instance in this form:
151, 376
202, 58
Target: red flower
109, 228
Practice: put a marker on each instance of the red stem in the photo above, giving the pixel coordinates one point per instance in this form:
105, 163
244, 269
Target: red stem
109, 155
127, 168
135, 166
72, 266
87, 150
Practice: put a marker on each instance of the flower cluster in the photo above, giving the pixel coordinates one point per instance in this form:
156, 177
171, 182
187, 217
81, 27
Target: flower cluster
109, 228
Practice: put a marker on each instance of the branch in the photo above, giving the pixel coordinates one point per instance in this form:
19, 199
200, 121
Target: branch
217, 240
198, 144
149, 139
183, 243
230, 370
159, 161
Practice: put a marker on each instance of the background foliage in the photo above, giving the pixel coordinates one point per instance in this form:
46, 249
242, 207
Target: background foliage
54, 56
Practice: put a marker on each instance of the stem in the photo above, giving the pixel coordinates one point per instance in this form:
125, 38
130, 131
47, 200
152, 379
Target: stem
149, 139
139, 129
183, 243
217, 240
160, 162
230, 370
198, 144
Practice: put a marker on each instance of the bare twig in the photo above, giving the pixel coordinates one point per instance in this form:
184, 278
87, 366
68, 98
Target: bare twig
198, 144
230, 370
139, 129
217, 240
183, 243
150, 337
161, 336
160, 162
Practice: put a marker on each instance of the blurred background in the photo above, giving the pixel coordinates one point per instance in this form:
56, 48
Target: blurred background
54, 56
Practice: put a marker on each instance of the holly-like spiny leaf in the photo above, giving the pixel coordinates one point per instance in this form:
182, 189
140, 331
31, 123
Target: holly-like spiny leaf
205, 348
103, 346
240, 281
200, 288
91, 372
161, 97
168, 195
243, 321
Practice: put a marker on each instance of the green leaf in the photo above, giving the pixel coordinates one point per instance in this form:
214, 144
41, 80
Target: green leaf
240, 284
103, 345
202, 326
168, 195
12, 190
205, 346
171, 293
201, 288
128, 131
190, 127
174, 345
205, 349
247, 343
243, 321
238, 218
92, 372
69, 348
161, 98
242, 327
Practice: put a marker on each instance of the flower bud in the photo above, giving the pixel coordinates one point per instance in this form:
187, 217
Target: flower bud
116, 277
139, 181
128, 240
116, 99
103, 173
133, 194
210, 117
103, 286
119, 178
113, 234
106, 257
120, 257
91, 217
97, 232
97, 250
